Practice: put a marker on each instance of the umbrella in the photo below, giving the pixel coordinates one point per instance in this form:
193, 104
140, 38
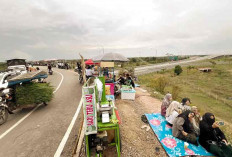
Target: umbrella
89, 62
110, 57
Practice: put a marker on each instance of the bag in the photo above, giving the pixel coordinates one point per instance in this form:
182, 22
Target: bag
144, 119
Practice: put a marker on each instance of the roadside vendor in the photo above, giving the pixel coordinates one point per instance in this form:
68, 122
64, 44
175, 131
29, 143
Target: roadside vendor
89, 72
121, 80
129, 81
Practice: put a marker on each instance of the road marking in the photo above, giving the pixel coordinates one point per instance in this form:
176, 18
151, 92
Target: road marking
27, 115
60, 81
66, 136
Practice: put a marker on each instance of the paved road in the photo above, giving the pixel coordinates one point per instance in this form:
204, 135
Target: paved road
169, 65
40, 134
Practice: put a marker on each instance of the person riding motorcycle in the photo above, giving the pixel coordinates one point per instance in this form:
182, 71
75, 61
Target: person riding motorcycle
50, 69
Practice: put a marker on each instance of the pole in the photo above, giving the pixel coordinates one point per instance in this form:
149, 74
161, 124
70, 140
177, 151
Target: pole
83, 68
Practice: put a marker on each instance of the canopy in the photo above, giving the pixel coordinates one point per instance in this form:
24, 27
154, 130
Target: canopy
110, 57
89, 62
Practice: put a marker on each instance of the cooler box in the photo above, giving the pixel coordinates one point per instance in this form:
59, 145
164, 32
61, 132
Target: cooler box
128, 94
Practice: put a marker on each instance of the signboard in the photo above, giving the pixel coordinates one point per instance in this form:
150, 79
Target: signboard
90, 113
107, 64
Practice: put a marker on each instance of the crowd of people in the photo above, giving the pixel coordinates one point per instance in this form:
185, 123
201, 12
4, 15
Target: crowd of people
126, 79
91, 70
188, 125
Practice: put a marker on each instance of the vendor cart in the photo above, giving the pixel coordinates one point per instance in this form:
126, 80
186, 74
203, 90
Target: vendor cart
100, 117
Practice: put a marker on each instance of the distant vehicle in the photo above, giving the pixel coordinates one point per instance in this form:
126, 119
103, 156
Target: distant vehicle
60, 65
50, 72
17, 65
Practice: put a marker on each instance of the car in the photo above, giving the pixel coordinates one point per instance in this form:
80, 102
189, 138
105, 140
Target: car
17, 65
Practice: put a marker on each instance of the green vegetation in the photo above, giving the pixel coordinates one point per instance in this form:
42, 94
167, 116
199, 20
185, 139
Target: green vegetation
2, 66
210, 92
142, 61
178, 70
33, 93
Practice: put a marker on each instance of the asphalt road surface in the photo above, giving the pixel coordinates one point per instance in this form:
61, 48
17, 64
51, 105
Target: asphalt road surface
40, 134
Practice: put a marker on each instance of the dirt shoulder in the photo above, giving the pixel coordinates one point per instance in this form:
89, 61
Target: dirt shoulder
135, 140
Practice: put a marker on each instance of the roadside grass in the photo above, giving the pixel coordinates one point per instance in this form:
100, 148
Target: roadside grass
144, 61
210, 92
2, 66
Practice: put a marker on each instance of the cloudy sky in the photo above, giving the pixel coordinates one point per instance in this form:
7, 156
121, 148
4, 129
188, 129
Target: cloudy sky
46, 29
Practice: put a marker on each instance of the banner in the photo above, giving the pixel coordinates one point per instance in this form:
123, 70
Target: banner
90, 113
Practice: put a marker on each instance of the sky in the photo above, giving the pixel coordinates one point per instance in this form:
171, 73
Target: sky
58, 29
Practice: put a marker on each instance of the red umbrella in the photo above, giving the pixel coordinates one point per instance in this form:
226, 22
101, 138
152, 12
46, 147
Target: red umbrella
89, 62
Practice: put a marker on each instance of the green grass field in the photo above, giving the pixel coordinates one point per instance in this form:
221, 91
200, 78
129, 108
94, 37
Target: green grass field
210, 92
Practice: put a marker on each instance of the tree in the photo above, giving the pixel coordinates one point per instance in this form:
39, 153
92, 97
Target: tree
178, 70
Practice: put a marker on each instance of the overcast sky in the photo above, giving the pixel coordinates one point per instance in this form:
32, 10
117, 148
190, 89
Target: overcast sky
47, 29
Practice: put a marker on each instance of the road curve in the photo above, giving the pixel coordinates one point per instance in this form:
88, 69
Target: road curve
40, 134
169, 65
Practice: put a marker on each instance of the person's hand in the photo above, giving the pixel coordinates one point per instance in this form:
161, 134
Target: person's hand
184, 133
225, 141
215, 125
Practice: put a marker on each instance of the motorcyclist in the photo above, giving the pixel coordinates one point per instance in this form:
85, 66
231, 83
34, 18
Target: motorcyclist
49, 68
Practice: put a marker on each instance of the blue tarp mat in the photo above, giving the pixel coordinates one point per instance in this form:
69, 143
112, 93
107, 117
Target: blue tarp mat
173, 146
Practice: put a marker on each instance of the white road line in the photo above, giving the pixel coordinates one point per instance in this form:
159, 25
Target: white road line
27, 115
60, 81
65, 138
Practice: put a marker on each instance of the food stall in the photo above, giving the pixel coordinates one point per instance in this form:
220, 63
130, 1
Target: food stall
100, 117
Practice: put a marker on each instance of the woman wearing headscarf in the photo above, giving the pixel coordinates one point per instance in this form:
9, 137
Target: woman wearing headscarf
183, 128
212, 138
185, 104
174, 109
165, 103
196, 120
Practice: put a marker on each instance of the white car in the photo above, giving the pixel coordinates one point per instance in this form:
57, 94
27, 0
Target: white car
18, 69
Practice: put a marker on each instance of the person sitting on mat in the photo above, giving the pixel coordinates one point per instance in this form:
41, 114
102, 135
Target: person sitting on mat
183, 128
174, 109
196, 120
185, 103
212, 138
165, 103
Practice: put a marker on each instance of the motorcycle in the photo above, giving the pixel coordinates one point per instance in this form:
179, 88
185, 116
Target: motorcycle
81, 80
50, 71
6, 104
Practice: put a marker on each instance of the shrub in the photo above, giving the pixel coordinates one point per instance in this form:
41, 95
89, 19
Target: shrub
138, 64
33, 93
176, 90
160, 84
178, 70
